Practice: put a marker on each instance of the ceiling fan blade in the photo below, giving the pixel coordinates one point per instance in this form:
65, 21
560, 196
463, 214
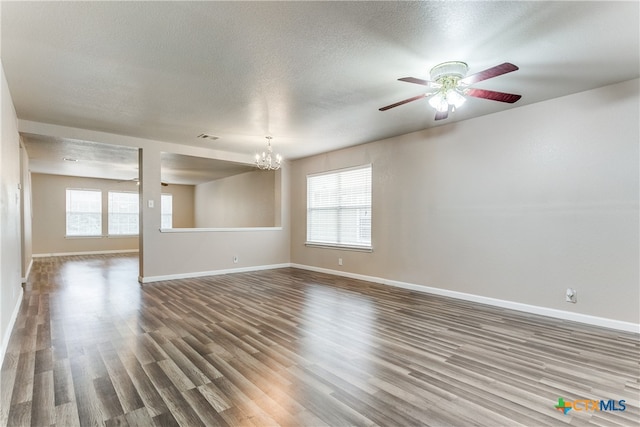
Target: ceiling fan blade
493, 95
498, 70
415, 98
440, 115
419, 82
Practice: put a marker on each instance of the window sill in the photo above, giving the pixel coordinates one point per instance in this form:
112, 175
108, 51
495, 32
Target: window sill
340, 247
199, 230
93, 236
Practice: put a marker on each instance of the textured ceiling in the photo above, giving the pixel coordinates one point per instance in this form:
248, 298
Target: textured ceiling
312, 74
74, 157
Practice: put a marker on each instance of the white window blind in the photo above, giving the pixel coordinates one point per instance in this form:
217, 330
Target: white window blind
166, 210
84, 212
123, 213
339, 208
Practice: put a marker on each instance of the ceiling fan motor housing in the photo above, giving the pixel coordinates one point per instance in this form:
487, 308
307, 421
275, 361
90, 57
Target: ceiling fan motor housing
455, 69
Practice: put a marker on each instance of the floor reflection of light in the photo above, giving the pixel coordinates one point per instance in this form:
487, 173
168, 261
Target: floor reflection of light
337, 331
96, 299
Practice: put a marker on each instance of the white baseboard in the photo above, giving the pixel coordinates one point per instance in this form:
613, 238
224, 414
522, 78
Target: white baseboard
26, 275
149, 279
544, 311
12, 322
116, 251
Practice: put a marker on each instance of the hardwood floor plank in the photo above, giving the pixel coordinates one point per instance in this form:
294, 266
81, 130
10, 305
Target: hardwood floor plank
165, 420
194, 375
145, 388
139, 418
88, 406
201, 406
20, 414
23, 384
63, 382
43, 404
123, 386
108, 398
178, 378
295, 348
216, 398
67, 415
179, 407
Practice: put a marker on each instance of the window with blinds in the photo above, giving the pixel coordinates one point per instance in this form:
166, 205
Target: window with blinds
339, 208
166, 211
123, 213
84, 212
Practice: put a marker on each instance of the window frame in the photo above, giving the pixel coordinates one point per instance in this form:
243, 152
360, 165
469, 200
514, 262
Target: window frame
367, 247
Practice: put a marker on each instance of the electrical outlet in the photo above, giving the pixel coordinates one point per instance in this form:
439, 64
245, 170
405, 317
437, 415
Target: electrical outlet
235, 259
571, 295
339, 261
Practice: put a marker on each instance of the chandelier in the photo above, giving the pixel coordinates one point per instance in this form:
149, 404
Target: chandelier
267, 161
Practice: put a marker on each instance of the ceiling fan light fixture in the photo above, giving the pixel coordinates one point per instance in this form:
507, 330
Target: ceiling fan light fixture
455, 98
439, 102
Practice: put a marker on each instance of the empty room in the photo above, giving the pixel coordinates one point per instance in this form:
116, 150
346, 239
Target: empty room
311, 213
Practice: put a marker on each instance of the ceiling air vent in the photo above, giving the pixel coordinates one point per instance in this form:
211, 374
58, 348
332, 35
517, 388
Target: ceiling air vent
207, 136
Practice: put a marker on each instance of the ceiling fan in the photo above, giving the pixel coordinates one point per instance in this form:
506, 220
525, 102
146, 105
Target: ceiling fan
450, 84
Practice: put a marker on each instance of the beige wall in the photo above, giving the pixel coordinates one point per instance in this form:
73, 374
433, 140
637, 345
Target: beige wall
183, 204
243, 200
170, 254
10, 227
188, 252
26, 213
49, 217
516, 206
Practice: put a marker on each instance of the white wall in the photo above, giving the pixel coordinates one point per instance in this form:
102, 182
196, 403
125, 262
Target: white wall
515, 206
244, 200
10, 240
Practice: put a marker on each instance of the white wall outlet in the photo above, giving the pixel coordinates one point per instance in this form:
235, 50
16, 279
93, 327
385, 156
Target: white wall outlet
150, 203
571, 295
235, 259
339, 261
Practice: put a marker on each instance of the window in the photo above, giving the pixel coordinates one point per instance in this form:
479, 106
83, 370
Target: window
166, 211
123, 213
84, 212
339, 208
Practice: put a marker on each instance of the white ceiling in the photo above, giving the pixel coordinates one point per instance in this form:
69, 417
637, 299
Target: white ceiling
312, 74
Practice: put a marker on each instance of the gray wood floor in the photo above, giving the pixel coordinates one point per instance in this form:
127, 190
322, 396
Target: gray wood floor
289, 347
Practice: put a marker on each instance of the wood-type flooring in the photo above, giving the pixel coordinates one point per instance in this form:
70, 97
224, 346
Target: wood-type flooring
92, 347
